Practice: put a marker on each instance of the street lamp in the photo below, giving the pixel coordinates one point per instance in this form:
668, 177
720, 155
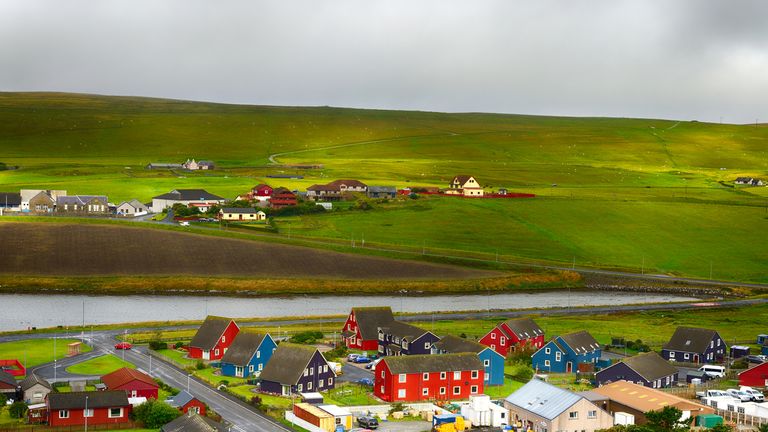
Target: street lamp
85, 414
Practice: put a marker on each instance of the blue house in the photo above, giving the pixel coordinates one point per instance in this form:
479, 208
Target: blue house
247, 355
565, 353
493, 362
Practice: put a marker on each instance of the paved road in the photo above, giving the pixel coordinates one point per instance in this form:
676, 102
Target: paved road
56, 372
351, 373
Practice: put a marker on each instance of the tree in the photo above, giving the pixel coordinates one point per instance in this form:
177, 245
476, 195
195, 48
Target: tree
667, 419
18, 410
154, 414
3, 400
722, 427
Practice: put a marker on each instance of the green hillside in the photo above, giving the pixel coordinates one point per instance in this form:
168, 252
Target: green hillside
611, 192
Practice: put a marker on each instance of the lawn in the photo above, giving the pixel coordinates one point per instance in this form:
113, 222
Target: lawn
349, 394
100, 365
178, 356
34, 352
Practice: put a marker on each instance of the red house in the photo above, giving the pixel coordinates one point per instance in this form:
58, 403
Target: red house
429, 377
186, 403
508, 335
103, 407
282, 197
361, 331
756, 376
213, 338
261, 192
132, 382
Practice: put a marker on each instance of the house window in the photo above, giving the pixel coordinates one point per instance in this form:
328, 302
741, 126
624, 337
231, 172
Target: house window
312, 370
442, 390
299, 387
261, 366
456, 390
558, 356
573, 415
88, 413
457, 375
718, 342
493, 335
258, 354
216, 352
321, 383
671, 354
250, 368
306, 371
381, 389
711, 344
425, 391
475, 374
309, 385
115, 412
382, 373
592, 414
223, 339
493, 347
426, 345
546, 363
325, 368
473, 389
547, 351
503, 340
330, 382
194, 409
442, 375
401, 393
63, 414
486, 363
686, 356
425, 376
402, 378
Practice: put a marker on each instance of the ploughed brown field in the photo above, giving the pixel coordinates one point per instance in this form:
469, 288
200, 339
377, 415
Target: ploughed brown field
99, 250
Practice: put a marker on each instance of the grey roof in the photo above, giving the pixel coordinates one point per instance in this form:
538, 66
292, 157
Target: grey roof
31, 380
209, 332
369, 319
403, 330
543, 399
287, 363
96, 399
592, 396
524, 328
433, 363
134, 203
243, 348
690, 339
193, 422
239, 210
180, 399
455, 344
189, 195
649, 365
581, 342
11, 198
381, 189
79, 199
7, 378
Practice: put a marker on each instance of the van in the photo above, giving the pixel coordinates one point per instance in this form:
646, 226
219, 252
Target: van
713, 371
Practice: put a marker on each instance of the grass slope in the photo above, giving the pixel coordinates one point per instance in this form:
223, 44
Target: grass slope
628, 190
37, 351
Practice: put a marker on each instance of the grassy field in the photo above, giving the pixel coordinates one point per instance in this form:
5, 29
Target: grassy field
630, 193
37, 351
100, 365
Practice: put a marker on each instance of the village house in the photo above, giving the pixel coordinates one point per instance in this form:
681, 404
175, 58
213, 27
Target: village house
296, 368
749, 181
695, 345
428, 377
247, 355
336, 190
186, 403
237, 214
192, 422
35, 389
541, 407
8, 384
187, 197
637, 400
133, 382
199, 165
39, 201
756, 376
83, 204
493, 362
261, 192
361, 331
377, 192
399, 338
104, 407
282, 197
568, 353
10, 202
213, 338
131, 208
465, 185
510, 334
647, 369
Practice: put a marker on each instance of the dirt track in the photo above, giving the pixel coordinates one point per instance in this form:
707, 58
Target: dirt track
101, 250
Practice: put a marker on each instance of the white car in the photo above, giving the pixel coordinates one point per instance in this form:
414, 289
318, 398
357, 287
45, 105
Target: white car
740, 395
184, 223
756, 395
714, 371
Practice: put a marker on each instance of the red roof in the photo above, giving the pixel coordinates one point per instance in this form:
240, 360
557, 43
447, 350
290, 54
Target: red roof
123, 376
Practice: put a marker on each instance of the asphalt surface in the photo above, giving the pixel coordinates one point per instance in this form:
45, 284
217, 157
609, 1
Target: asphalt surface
350, 373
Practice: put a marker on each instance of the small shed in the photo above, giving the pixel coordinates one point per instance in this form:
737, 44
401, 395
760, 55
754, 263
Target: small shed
761, 338
36, 413
341, 416
311, 398
696, 375
73, 349
739, 351
315, 416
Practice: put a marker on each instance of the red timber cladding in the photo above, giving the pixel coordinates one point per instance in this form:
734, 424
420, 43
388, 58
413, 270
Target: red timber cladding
195, 353
225, 340
436, 386
756, 376
364, 345
138, 388
100, 416
498, 341
194, 403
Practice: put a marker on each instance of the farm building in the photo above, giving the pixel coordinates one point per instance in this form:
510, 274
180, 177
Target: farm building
194, 423
428, 377
199, 165
131, 208
187, 197
377, 192
648, 369
336, 190
296, 368
35, 389
10, 201
186, 403
83, 204
465, 185
168, 166
361, 331
510, 334
247, 355
399, 338
493, 362
636, 399
282, 197
133, 382
105, 407
749, 181
542, 407
756, 376
236, 214
565, 354
694, 345
213, 338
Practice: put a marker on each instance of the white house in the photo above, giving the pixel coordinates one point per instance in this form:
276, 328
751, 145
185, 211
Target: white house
132, 208
186, 197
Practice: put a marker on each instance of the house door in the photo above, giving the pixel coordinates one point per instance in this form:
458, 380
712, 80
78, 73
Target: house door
241, 217
569, 367
695, 358
286, 390
206, 355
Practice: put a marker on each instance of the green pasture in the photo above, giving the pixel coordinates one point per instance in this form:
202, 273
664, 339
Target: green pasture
33, 352
100, 365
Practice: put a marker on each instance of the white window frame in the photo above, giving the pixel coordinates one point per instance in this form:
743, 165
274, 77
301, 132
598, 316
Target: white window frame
547, 350
425, 391
473, 389
475, 374
486, 362
425, 376
456, 390
493, 335
558, 356
63, 414
457, 375
592, 414
299, 387
546, 363
401, 378
110, 415
442, 390
573, 415
401, 393
309, 385
443, 375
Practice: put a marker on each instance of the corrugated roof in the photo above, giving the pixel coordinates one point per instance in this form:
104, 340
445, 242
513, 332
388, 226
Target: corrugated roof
243, 348
433, 363
691, 339
209, 332
646, 399
543, 399
32, 380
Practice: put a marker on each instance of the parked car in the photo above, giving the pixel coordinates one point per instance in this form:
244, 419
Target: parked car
372, 365
184, 223
362, 359
757, 395
756, 358
711, 393
123, 346
369, 422
352, 357
714, 371
738, 394
365, 382
359, 430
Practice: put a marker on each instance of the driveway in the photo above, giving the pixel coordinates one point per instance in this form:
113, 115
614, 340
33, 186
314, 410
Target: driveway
353, 373
405, 426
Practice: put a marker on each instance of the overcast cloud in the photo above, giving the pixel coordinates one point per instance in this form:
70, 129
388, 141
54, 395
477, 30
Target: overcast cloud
680, 59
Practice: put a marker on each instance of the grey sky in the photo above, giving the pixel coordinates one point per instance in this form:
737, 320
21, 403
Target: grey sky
684, 59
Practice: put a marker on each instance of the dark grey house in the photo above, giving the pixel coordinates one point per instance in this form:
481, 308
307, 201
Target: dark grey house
695, 345
399, 338
193, 422
382, 192
647, 369
296, 368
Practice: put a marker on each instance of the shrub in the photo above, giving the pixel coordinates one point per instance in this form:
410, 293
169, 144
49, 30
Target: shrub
154, 414
397, 407
256, 401
200, 365
338, 352
18, 410
306, 337
157, 345
178, 345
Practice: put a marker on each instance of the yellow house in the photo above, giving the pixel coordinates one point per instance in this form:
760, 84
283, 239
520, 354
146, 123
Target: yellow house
465, 185
241, 214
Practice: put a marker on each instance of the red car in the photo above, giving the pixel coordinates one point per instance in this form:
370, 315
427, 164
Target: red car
123, 346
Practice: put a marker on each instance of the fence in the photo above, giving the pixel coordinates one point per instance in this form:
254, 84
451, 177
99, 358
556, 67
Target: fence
73, 428
742, 419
